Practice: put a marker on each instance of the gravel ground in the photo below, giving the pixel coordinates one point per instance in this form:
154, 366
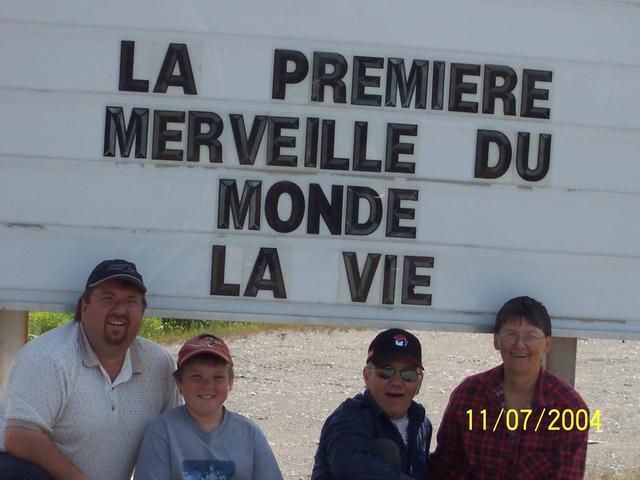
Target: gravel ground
289, 381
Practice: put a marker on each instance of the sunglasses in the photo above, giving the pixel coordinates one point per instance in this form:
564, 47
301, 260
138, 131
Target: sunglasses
408, 375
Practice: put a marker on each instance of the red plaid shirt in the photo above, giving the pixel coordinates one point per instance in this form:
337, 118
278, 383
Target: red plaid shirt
511, 453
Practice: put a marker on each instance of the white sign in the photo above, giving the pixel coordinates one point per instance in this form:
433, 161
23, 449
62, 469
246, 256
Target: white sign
410, 164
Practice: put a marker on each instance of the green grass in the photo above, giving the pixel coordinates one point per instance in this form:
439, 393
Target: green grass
173, 330
166, 330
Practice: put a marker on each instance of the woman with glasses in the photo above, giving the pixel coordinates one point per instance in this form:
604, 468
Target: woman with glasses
381, 433
515, 421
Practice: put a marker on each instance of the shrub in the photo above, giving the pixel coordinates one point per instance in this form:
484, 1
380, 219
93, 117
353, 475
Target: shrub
41, 322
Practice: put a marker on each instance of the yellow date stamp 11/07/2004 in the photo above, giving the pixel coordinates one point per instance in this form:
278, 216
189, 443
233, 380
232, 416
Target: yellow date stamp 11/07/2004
525, 419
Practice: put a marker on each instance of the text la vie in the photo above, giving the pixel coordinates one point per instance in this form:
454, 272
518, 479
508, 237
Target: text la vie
267, 275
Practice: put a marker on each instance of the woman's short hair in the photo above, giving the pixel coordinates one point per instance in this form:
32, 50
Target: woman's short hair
524, 308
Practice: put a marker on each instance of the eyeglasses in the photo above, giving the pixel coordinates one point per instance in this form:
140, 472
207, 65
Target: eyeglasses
108, 302
527, 338
408, 375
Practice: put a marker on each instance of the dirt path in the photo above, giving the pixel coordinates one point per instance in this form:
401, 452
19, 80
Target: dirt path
290, 381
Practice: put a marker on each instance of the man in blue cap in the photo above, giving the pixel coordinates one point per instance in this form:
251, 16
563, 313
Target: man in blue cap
382, 433
78, 398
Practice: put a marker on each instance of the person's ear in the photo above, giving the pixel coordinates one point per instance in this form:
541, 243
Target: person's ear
365, 374
495, 341
547, 344
419, 384
83, 305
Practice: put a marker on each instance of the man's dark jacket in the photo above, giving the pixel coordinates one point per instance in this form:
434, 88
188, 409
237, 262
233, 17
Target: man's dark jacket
359, 442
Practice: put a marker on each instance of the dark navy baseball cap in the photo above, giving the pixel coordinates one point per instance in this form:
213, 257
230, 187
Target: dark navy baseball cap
116, 269
394, 343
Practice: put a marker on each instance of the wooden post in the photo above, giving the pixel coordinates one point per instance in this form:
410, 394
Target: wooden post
14, 327
561, 359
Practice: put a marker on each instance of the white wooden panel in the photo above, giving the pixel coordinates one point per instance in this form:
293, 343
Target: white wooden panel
570, 239
584, 30
71, 126
227, 67
467, 284
173, 200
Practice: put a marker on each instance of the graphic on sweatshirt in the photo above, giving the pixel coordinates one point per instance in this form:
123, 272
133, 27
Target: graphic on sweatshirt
208, 470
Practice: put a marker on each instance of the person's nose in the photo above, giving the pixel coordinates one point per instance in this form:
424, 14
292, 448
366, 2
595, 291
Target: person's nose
120, 308
206, 381
520, 343
396, 379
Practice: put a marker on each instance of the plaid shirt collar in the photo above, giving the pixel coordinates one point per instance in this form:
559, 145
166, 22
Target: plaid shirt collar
542, 396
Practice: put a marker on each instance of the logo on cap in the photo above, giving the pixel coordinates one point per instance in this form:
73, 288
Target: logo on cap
121, 267
213, 342
401, 340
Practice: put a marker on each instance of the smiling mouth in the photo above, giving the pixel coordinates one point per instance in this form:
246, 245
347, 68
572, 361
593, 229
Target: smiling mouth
395, 395
206, 397
117, 323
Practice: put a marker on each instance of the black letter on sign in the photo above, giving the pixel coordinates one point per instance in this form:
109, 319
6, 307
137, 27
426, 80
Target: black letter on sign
277, 141
311, 145
352, 226
491, 91
161, 135
483, 139
360, 161
361, 80
530, 93
322, 79
280, 74
218, 287
410, 280
395, 212
138, 129
457, 86
389, 282
267, 258
437, 88
320, 206
197, 138
127, 82
359, 285
177, 52
522, 157
247, 149
271, 207
395, 148
327, 160
418, 77
228, 201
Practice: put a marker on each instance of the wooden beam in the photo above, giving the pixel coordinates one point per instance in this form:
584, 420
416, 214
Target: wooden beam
14, 328
561, 360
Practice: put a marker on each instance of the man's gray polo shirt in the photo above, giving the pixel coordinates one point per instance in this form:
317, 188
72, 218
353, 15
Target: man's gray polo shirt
58, 386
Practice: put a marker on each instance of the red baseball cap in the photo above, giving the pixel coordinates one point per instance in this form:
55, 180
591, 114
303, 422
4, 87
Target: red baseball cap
204, 343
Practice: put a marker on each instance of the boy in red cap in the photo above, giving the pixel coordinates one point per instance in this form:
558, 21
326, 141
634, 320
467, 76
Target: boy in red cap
202, 439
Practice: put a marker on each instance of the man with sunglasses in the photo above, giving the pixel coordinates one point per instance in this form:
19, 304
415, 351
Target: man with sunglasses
78, 398
382, 433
